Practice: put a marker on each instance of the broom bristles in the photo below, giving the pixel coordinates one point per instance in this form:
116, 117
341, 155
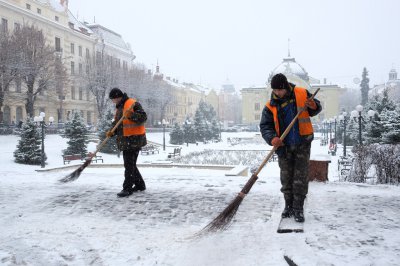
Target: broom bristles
224, 219
75, 174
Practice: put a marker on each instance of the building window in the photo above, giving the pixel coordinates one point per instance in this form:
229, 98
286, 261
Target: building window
80, 50
18, 84
72, 68
87, 53
87, 95
257, 117
6, 115
4, 24
80, 93
124, 65
56, 18
39, 11
72, 93
17, 26
19, 116
80, 69
87, 69
28, 6
58, 44
89, 117
72, 48
257, 107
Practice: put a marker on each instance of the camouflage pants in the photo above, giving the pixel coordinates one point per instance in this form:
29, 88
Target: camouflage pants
294, 173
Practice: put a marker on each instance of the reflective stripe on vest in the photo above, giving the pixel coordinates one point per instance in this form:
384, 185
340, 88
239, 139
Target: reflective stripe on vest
305, 126
129, 127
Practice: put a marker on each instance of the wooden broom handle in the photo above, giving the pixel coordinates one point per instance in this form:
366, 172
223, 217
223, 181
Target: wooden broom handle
284, 134
112, 131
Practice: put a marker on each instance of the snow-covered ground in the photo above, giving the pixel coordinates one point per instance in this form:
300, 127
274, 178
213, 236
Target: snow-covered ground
44, 222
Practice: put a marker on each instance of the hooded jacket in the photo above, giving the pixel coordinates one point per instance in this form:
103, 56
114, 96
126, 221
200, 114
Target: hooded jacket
286, 110
130, 139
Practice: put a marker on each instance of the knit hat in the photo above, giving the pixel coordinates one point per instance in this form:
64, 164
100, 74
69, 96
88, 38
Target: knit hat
115, 93
279, 81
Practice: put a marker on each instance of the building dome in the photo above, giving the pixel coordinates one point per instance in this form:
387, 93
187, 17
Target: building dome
290, 68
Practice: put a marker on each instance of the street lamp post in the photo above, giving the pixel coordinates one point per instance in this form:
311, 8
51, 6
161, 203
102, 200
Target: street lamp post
335, 117
164, 122
41, 119
343, 119
357, 114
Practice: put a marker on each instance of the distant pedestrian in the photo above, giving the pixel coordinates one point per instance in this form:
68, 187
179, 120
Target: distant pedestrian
294, 151
131, 137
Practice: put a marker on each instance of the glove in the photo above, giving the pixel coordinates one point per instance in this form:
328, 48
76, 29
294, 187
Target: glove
109, 134
276, 142
311, 104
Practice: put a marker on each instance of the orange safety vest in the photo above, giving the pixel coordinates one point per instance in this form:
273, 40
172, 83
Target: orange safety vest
305, 126
129, 127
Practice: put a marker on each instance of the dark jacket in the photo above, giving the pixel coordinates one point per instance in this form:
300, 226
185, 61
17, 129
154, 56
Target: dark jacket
285, 115
139, 116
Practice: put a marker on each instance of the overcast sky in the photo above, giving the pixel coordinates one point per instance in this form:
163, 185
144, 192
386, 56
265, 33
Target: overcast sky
209, 41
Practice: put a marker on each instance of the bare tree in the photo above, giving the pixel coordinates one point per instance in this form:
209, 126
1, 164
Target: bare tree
104, 73
37, 63
8, 66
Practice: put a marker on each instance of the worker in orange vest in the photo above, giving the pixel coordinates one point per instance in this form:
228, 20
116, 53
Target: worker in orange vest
294, 151
131, 137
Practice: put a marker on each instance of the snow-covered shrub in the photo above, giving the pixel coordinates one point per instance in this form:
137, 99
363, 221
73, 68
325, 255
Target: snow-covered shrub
361, 164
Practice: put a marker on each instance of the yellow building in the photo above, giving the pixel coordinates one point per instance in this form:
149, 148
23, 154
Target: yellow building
254, 99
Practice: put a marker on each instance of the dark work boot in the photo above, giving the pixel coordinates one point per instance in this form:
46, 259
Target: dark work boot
288, 211
298, 203
125, 193
140, 186
299, 216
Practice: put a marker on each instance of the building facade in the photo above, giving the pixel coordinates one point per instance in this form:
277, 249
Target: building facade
255, 98
74, 42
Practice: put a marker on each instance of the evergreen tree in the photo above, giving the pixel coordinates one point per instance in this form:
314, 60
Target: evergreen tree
375, 129
29, 146
176, 135
205, 122
189, 133
391, 124
364, 87
104, 125
76, 132
352, 132
200, 125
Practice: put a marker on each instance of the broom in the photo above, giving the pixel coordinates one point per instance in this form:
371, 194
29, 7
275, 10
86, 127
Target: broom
224, 219
75, 174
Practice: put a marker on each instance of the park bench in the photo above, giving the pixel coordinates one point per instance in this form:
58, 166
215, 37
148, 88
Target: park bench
177, 152
67, 158
149, 149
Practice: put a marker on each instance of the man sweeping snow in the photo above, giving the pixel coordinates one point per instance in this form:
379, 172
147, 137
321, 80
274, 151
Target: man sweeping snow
131, 137
294, 151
